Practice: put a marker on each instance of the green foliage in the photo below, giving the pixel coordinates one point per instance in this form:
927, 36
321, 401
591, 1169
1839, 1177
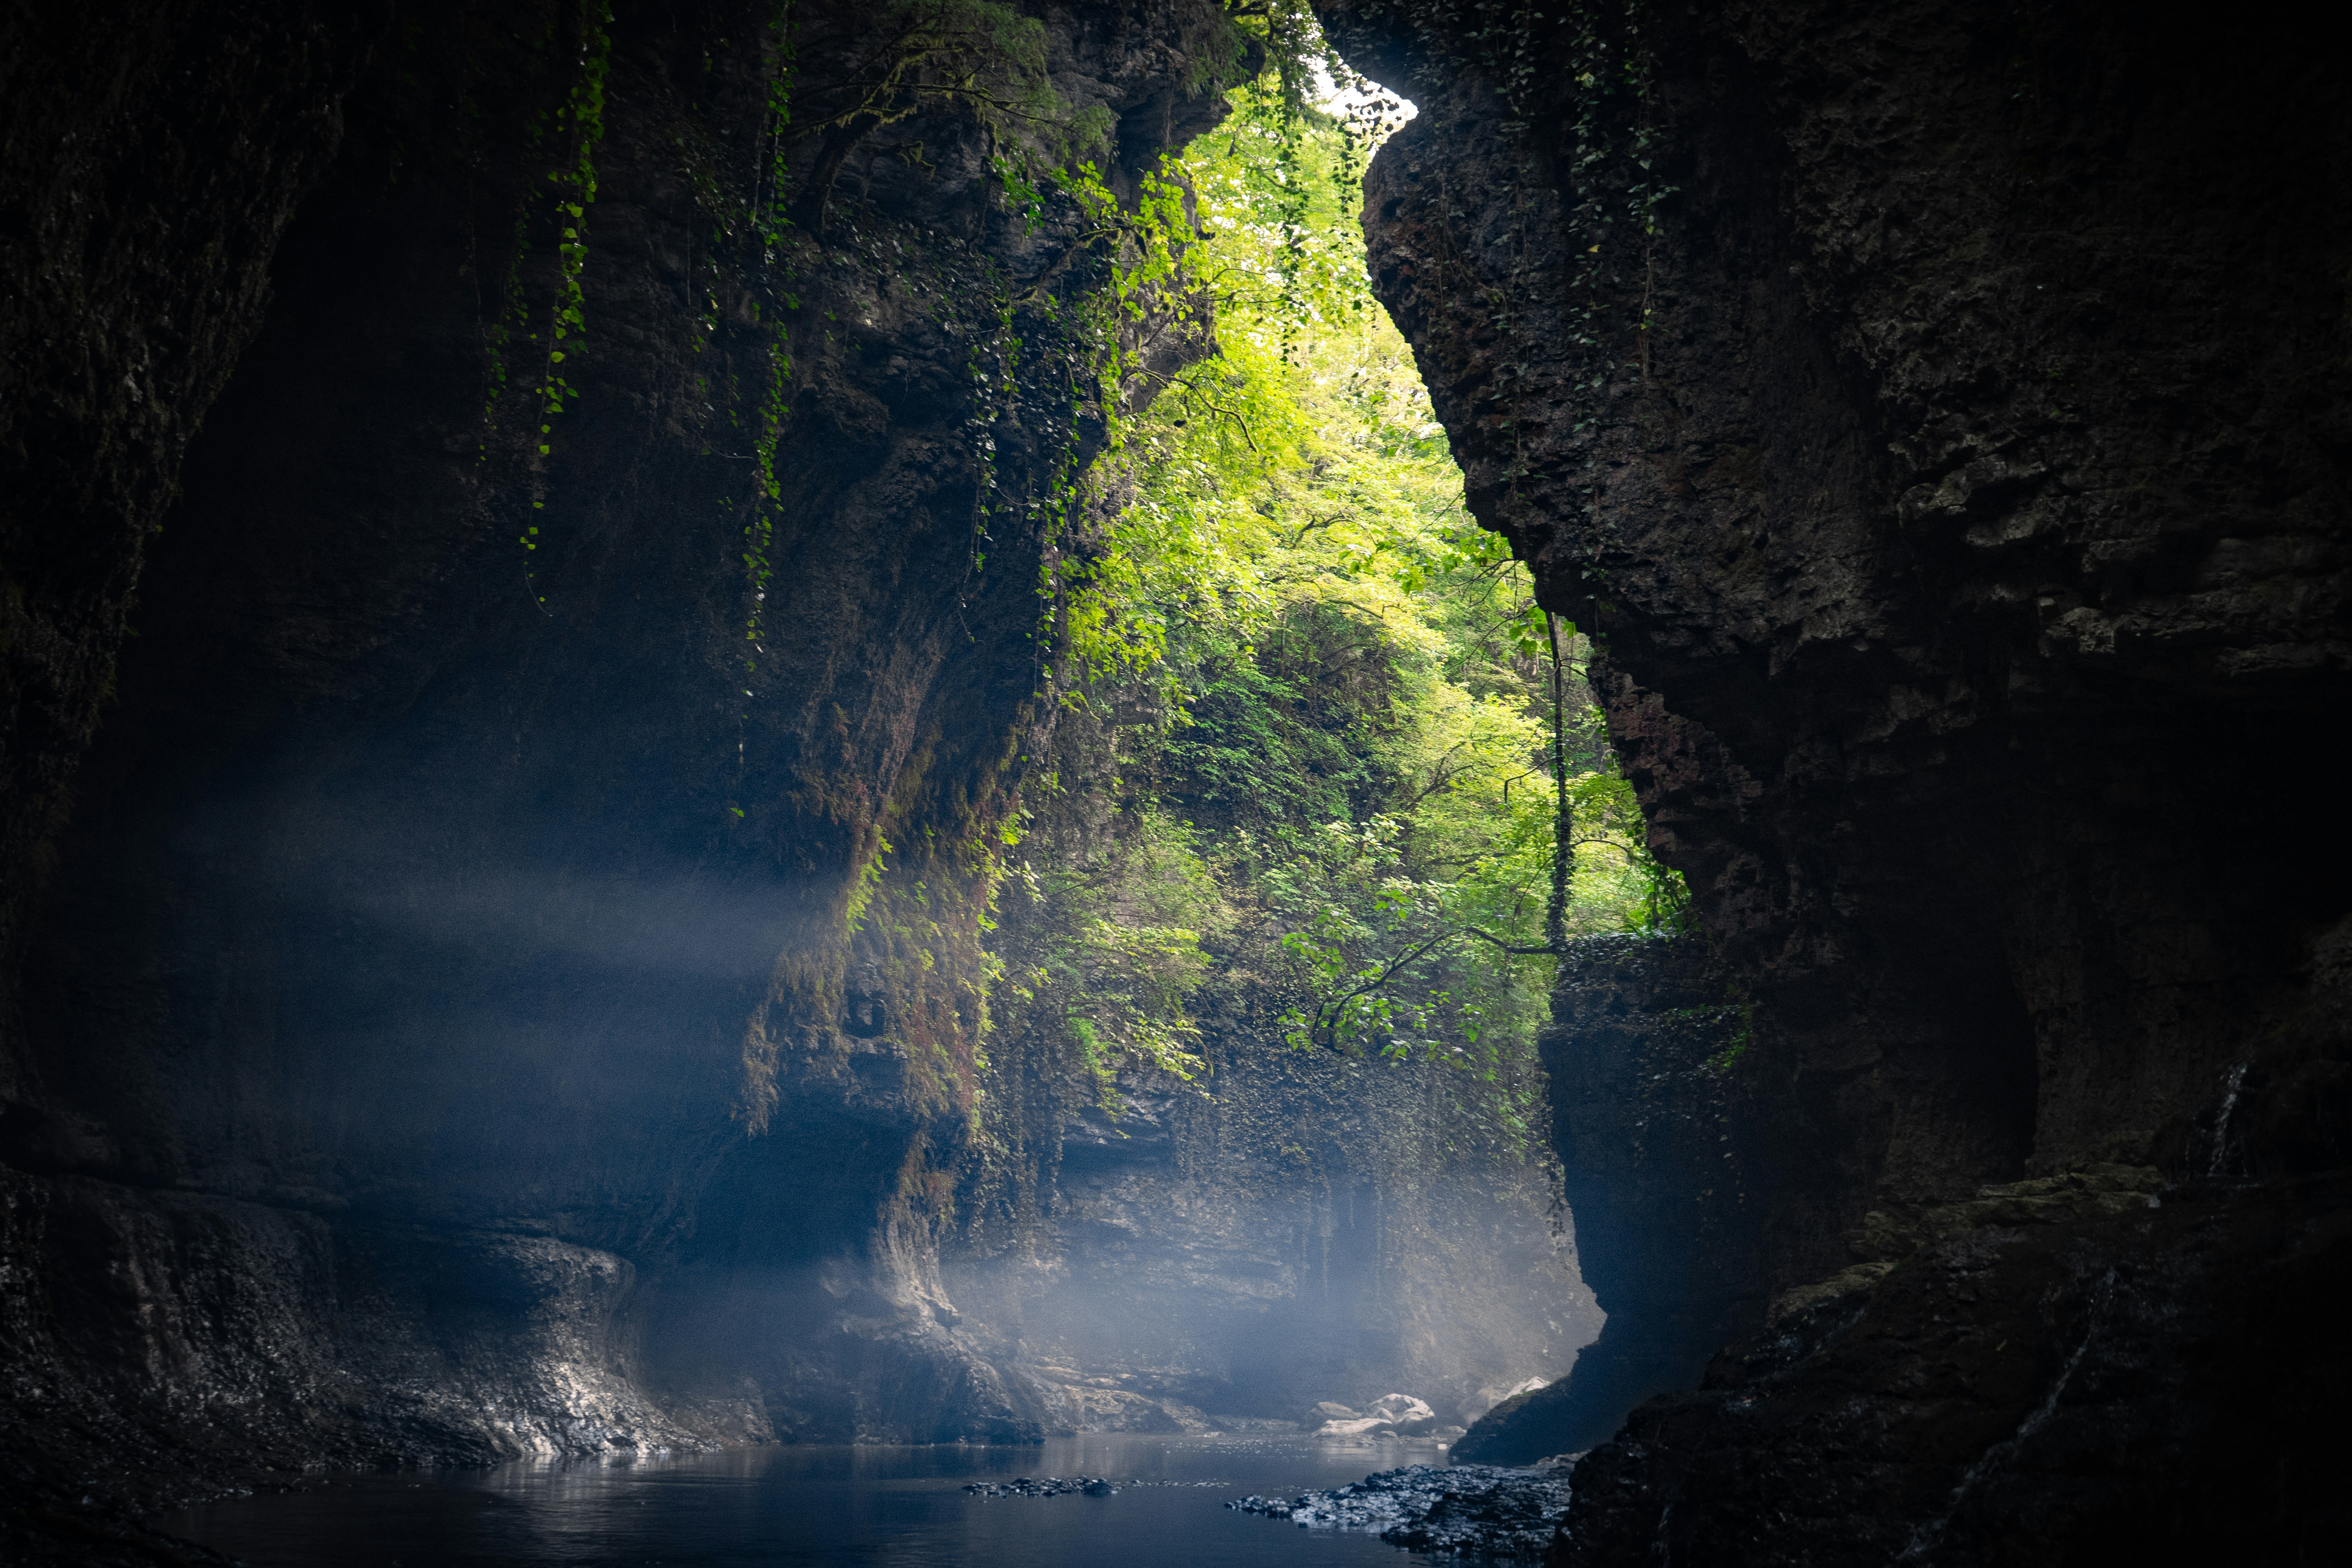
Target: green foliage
1313, 670
1318, 752
1106, 954
766, 220
983, 54
1285, 33
579, 36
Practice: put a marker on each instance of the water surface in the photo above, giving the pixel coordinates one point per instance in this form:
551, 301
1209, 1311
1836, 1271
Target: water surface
900, 1507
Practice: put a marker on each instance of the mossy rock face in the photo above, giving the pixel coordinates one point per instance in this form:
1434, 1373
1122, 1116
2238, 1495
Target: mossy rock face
572, 825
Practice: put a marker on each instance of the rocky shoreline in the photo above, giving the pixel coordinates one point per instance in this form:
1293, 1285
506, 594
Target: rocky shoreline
1455, 1511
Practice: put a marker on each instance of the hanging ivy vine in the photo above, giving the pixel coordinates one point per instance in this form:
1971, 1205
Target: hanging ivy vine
557, 200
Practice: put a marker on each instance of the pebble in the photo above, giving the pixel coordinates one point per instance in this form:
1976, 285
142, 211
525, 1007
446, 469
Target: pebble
1450, 1511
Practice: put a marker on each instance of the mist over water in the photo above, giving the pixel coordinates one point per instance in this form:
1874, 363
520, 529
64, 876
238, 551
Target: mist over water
904, 1507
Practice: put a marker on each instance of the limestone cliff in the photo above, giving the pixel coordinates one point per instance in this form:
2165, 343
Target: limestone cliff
442, 1027
1937, 414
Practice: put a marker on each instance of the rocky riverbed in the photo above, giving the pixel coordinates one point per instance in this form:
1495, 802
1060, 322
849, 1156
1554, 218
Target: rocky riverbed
1067, 1486
1442, 1511
1048, 1485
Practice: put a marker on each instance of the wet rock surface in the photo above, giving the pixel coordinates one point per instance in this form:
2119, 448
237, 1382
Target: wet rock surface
2064, 1388
1048, 1485
1073, 1486
1440, 1510
1653, 1123
1390, 1416
1894, 641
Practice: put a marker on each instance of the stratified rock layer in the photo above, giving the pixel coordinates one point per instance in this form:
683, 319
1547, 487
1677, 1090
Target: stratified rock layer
1937, 413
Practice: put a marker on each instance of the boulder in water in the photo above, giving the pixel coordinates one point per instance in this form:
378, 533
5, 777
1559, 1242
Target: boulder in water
1412, 1418
1401, 1409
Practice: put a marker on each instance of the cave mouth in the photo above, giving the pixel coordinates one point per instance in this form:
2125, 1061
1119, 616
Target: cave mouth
759, 738
807, 779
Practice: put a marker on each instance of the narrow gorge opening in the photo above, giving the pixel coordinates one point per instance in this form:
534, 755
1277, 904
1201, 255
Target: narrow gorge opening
929, 781
819, 752
1276, 935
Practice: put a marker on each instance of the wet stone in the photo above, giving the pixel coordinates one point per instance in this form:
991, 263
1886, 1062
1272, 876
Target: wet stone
1045, 1486
1064, 1486
1450, 1511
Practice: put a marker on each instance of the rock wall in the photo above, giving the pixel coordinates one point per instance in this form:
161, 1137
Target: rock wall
1650, 1118
149, 159
509, 981
1937, 414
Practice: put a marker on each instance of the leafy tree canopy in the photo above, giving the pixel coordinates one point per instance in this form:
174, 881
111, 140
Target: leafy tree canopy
1320, 738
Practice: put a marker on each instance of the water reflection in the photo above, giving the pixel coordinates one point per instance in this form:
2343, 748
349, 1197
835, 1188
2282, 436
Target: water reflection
897, 1506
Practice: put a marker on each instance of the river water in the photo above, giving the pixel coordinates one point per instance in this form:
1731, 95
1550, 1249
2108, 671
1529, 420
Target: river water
898, 1507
